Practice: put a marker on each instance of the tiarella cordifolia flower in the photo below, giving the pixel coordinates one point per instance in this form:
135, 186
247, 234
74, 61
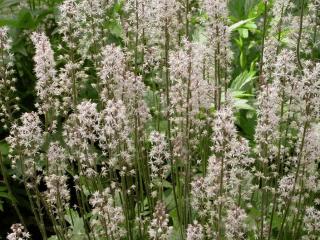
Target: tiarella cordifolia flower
268, 120
186, 68
162, 21
136, 22
195, 231
309, 89
281, 19
190, 95
310, 159
225, 139
159, 226
114, 135
218, 32
72, 79
286, 185
92, 14
57, 158
235, 223
18, 233
8, 99
72, 75
117, 83
308, 41
112, 70
199, 196
57, 193
109, 218
311, 154
312, 223
85, 125
284, 71
67, 22
159, 156
280, 7
132, 90
26, 141
227, 166
161, 16
47, 86
269, 59
213, 177
80, 132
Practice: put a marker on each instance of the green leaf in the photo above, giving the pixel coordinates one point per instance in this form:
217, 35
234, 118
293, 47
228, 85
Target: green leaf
239, 42
257, 10
169, 200
251, 26
242, 104
242, 60
243, 82
174, 216
77, 224
6, 195
166, 184
8, 3
239, 24
25, 20
244, 33
4, 148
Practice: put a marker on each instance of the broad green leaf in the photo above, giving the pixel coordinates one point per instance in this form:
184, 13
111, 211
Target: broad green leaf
243, 81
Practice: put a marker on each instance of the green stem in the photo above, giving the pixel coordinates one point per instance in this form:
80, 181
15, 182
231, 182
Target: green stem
299, 36
13, 201
265, 19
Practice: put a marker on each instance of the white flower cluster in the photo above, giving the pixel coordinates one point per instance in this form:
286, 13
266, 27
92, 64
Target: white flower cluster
159, 156
312, 223
107, 215
195, 231
236, 223
159, 226
47, 86
18, 233
25, 142
8, 100
57, 194
114, 135
190, 95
